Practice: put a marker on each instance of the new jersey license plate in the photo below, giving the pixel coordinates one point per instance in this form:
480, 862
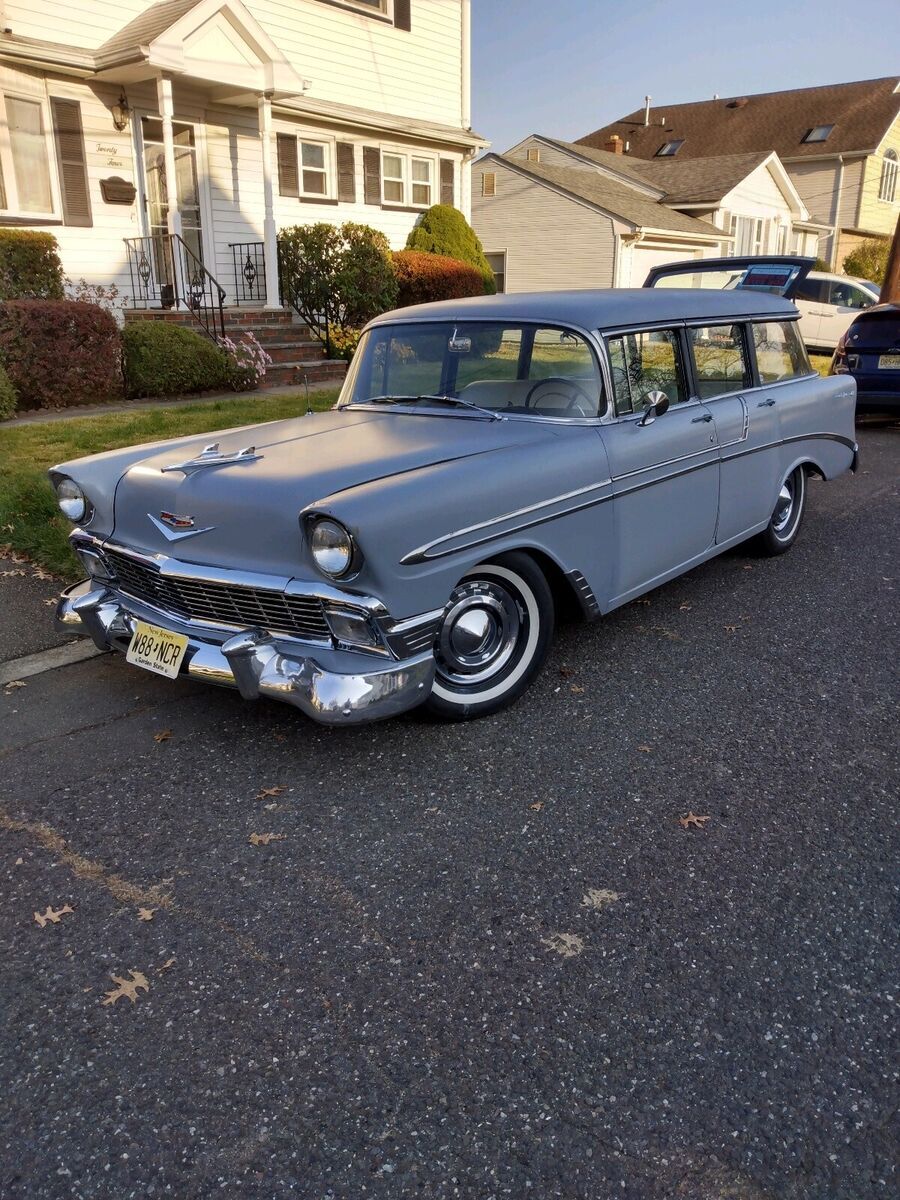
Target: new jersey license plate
889, 362
156, 649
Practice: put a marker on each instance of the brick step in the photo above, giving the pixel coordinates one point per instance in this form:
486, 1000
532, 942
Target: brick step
291, 373
275, 335
295, 350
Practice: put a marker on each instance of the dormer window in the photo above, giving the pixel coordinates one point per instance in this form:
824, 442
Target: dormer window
668, 149
818, 133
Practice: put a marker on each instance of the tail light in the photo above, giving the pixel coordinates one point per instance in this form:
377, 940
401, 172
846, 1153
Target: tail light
843, 362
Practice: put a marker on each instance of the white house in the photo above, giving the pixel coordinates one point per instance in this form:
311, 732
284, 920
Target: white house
555, 214
126, 127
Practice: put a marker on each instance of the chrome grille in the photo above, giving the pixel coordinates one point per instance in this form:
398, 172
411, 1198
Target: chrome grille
220, 603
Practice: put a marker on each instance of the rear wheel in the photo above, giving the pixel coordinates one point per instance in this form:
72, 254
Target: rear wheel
787, 516
493, 639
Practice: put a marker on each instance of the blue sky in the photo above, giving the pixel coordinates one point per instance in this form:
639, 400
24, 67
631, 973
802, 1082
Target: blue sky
566, 67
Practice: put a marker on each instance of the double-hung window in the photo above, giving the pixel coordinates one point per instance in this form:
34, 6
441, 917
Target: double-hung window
25, 179
407, 179
314, 172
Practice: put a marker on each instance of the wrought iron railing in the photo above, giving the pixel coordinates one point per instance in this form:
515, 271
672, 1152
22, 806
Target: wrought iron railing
165, 272
249, 262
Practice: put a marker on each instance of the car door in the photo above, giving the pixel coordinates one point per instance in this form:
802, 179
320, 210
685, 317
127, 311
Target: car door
747, 424
810, 297
845, 302
664, 471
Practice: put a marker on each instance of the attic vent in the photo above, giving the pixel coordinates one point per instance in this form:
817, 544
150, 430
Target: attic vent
740, 102
533, 154
819, 133
489, 183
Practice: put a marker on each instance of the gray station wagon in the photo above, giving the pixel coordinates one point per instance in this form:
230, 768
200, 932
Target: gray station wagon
488, 461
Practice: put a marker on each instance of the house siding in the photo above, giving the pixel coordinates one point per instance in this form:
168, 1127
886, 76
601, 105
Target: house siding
550, 241
879, 216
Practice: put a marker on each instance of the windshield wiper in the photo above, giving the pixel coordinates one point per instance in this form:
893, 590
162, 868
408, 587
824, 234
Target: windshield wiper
487, 412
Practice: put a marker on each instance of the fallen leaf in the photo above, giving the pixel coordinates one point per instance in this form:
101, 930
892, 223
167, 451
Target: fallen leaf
566, 672
598, 898
537, 806
691, 820
644, 601
163, 735
127, 987
577, 688
645, 749
568, 945
51, 603
272, 791
279, 737
748, 566
263, 839
685, 607
165, 966
146, 914
50, 915
731, 628
20, 862
15, 683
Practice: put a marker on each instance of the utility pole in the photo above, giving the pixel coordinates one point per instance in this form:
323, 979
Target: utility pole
890, 288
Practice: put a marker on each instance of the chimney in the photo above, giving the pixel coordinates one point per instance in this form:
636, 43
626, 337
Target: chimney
614, 145
647, 100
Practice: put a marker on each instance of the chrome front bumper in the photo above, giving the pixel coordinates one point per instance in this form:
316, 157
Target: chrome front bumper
334, 687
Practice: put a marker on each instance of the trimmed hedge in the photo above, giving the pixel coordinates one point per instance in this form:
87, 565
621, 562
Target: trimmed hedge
30, 267
444, 230
161, 359
422, 277
8, 397
60, 352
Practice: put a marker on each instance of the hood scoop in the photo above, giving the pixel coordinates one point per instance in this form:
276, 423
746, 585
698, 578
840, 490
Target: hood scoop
211, 456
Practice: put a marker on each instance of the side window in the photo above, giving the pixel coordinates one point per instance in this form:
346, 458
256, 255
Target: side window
720, 359
646, 362
780, 353
847, 295
814, 291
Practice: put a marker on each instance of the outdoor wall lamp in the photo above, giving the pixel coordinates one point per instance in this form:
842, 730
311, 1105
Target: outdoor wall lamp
121, 111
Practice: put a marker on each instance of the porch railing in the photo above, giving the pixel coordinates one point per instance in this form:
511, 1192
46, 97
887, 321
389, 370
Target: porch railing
249, 263
165, 272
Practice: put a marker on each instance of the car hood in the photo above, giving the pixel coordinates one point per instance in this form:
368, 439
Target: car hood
244, 514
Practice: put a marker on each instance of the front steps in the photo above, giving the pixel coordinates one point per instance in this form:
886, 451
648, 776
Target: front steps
296, 355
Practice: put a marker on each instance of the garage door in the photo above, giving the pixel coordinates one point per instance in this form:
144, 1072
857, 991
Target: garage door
645, 257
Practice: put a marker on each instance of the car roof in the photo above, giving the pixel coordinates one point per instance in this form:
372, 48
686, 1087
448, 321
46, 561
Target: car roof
842, 278
609, 308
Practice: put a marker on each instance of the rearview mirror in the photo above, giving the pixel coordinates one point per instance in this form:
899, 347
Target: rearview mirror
657, 404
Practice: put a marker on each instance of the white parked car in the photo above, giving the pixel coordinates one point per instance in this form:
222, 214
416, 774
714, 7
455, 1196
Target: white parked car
829, 304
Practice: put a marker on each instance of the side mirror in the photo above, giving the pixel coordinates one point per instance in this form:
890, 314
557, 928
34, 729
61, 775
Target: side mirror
657, 404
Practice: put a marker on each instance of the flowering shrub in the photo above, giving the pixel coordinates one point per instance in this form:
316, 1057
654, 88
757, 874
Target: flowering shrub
248, 362
106, 296
60, 352
344, 342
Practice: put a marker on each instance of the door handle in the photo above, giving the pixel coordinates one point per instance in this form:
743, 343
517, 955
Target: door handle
766, 403
705, 417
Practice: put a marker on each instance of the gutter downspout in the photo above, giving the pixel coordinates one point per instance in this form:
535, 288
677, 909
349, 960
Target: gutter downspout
465, 35
837, 213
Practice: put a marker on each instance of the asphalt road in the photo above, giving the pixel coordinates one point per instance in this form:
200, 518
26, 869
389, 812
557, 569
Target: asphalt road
484, 960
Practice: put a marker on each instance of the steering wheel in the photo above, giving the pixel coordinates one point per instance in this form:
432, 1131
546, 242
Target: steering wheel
555, 380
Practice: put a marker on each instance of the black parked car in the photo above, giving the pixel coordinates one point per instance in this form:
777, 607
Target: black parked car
870, 352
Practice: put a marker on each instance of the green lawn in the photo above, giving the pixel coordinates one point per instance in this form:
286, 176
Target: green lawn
820, 362
30, 521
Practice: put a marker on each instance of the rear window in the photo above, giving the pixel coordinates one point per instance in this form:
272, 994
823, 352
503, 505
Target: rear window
878, 330
780, 353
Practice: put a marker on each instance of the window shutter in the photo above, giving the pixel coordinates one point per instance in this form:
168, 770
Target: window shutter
372, 174
70, 155
402, 14
346, 172
447, 181
288, 169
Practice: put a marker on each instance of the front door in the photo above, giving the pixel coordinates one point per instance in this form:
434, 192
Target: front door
156, 193
665, 474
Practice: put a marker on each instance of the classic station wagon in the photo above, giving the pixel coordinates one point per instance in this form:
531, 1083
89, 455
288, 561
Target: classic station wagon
488, 461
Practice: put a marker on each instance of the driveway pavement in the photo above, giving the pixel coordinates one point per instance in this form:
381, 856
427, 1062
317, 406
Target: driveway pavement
479, 961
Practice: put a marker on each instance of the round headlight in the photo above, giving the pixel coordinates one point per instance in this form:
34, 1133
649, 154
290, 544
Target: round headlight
332, 547
71, 499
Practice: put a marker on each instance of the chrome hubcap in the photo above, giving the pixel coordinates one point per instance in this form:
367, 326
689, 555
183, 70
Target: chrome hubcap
785, 507
479, 633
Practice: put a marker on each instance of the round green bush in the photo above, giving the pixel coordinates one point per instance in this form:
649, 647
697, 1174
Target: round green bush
444, 230
8, 397
164, 359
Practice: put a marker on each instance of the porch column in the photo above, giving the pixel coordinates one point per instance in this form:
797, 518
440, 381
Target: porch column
270, 241
173, 219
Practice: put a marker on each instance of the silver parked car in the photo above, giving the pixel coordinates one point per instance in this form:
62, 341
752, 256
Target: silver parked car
488, 461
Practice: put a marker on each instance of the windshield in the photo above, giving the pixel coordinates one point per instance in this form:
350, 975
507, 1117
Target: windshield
495, 368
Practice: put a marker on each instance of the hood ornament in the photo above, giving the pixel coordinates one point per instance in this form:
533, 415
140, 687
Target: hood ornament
211, 456
175, 527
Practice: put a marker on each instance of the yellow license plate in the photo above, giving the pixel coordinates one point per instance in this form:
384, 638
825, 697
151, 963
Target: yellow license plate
889, 362
156, 649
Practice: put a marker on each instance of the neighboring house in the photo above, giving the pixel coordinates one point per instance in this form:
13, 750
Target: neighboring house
128, 126
840, 144
546, 227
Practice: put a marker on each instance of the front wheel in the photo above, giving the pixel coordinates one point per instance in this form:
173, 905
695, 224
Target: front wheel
493, 639
782, 529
